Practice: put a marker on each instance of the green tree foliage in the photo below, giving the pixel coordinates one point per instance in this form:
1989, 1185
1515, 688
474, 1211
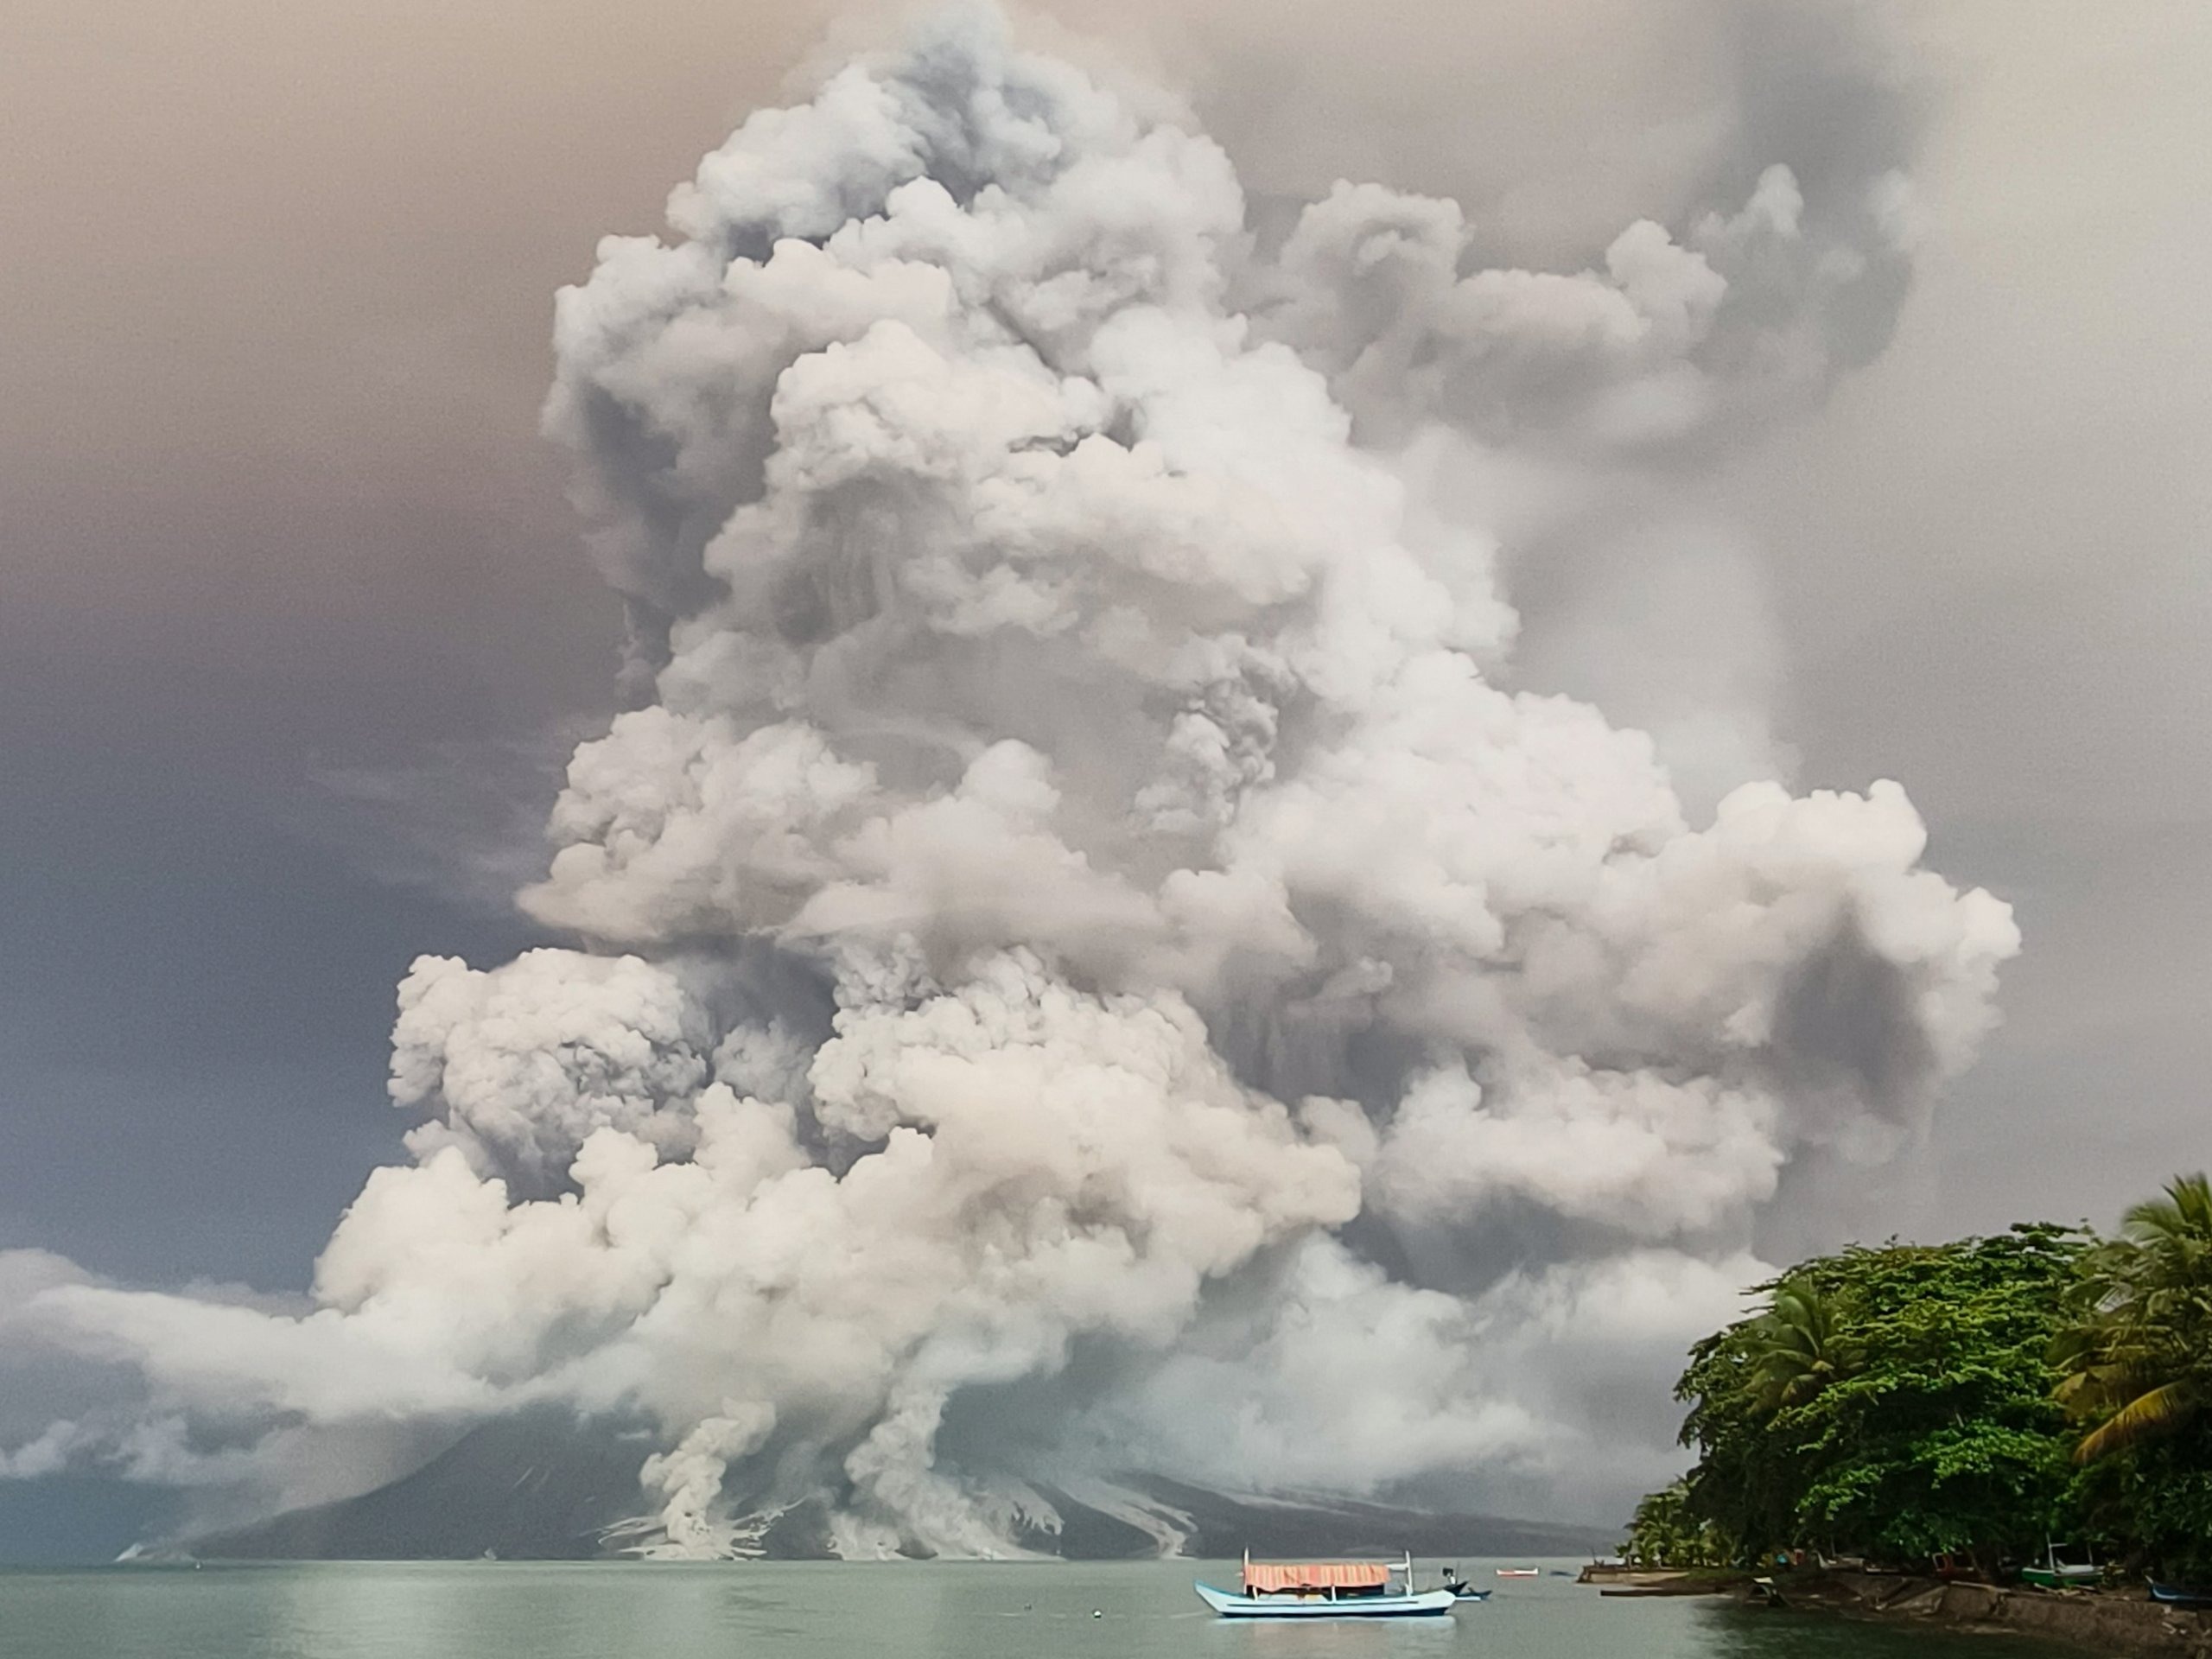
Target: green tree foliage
2137, 1358
1797, 1346
1665, 1532
1894, 1401
1963, 1398
2154, 1502
2136, 1364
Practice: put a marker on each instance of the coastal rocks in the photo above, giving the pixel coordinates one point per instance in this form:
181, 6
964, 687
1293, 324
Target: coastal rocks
2113, 1623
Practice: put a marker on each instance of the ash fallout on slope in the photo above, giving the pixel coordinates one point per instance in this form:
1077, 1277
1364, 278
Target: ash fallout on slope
1086, 961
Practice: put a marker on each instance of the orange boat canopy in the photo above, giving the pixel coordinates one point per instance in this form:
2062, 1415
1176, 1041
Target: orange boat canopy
1316, 1575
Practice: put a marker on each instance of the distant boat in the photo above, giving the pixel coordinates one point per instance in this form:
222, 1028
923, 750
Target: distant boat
2180, 1595
1327, 1589
1519, 1573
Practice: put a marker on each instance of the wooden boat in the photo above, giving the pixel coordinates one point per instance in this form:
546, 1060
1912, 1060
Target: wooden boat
1678, 1587
2180, 1595
1519, 1573
2051, 1574
1327, 1589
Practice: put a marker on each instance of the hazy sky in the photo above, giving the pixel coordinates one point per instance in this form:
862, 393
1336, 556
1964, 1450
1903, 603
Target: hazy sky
286, 577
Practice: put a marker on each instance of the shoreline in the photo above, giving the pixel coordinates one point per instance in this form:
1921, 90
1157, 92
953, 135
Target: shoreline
2087, 1618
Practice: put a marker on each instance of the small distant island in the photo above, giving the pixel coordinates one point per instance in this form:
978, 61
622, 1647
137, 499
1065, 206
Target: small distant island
2027, 1405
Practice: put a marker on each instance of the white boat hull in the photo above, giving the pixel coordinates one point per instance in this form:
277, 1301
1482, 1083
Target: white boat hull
1428, 1604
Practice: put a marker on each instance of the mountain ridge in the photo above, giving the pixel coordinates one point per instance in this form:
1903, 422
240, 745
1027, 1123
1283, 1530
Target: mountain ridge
528, 1489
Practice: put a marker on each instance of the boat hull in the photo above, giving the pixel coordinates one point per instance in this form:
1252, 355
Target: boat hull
2181, 1595
1429, 1604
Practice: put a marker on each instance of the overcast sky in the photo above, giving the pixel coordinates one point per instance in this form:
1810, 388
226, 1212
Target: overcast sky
288, 587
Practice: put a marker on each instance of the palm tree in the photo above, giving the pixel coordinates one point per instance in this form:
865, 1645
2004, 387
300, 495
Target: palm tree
2136, 1364
1665, 1532
1797, 1347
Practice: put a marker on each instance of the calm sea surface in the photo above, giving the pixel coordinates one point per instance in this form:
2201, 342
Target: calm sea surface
957, 1609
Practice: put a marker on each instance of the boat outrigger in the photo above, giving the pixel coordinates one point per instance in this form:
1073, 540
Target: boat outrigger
1328, 1590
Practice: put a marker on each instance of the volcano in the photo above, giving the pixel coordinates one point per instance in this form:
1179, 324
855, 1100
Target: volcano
542, 1487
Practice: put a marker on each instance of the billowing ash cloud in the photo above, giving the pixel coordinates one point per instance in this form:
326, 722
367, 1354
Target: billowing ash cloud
1085, 960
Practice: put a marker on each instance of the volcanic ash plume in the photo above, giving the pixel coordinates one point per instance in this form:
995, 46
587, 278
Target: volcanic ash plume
1084, 961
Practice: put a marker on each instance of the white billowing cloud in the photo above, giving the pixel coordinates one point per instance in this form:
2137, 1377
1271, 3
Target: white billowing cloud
672, 822
1340, 1379
1047, 1165
523, 1062
1629, 1150
1335, 1377
1751, 311
40, 1400
1081, 906
1597, 1340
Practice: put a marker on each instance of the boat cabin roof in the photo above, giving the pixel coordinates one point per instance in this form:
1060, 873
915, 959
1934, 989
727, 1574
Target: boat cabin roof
1316, 1575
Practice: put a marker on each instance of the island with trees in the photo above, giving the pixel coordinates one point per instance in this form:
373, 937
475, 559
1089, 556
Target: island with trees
1969, 1409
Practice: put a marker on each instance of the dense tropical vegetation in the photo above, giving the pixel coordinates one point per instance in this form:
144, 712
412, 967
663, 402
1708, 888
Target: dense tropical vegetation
1976, 1399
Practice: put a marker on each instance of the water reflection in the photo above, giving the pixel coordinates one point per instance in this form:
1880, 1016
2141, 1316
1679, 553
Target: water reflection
925, 1610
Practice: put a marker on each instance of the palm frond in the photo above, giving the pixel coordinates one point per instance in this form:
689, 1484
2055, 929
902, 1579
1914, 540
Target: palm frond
2182, 1216
2155, 1412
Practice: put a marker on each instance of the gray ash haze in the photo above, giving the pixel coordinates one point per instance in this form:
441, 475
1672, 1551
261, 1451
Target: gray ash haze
1238, 822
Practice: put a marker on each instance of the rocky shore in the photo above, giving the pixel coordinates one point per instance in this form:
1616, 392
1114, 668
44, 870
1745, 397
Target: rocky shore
2104, 1621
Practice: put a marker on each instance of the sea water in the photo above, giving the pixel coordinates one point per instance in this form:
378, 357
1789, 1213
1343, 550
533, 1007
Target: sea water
937, 1609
